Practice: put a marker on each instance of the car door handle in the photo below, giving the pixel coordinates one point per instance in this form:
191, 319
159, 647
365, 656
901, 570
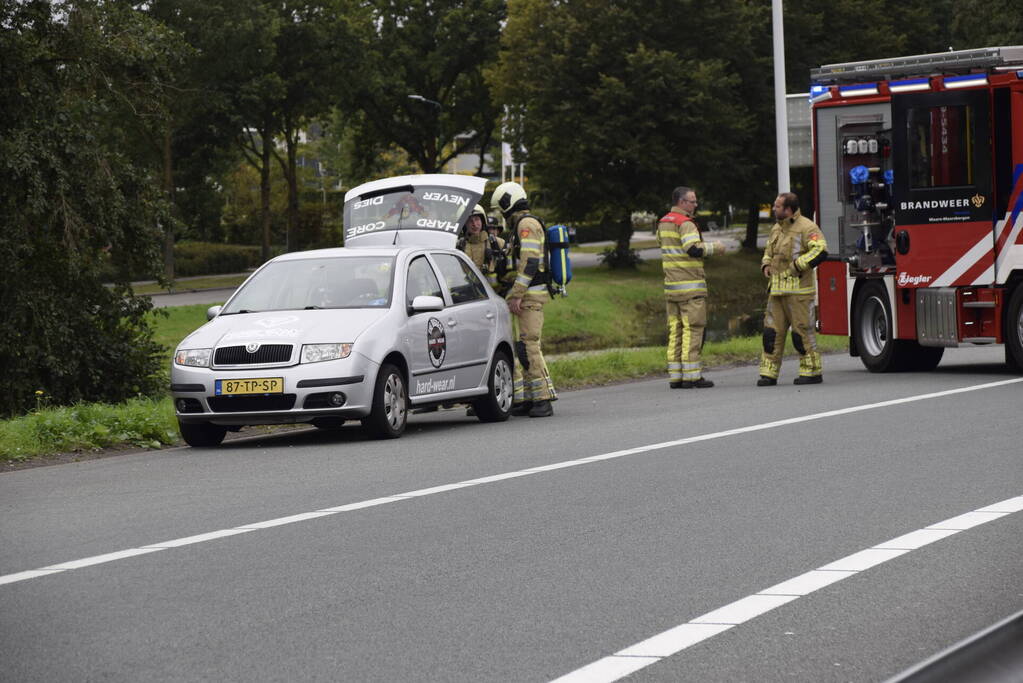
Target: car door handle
452, 322
490, 315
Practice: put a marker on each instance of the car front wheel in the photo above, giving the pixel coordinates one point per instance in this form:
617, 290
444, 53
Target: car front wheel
389, 413
202, 434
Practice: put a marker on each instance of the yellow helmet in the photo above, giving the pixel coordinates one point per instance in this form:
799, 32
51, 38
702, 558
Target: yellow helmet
507, 197
478, 211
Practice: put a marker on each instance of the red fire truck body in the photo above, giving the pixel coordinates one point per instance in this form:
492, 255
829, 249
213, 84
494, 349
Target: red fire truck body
918, 170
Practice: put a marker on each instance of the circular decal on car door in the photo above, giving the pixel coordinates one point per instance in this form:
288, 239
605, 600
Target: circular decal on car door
436, 342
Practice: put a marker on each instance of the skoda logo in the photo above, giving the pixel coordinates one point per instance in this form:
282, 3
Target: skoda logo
252, 347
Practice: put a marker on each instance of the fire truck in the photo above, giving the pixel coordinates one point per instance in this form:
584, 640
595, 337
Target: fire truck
918, 181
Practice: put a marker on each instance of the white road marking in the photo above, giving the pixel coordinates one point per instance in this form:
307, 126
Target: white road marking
480, 481
678, 638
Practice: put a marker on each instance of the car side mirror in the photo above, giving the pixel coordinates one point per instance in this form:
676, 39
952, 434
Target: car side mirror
424, 303
212, 312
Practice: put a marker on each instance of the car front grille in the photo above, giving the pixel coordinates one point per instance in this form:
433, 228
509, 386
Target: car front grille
251, 404
267, 353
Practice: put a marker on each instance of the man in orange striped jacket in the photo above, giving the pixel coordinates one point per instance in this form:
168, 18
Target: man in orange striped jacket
685, 289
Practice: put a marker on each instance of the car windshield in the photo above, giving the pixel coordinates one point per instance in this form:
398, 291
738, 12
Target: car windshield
420, 208
314, 283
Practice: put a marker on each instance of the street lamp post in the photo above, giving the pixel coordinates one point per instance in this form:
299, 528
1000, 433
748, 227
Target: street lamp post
780, 108
420, 98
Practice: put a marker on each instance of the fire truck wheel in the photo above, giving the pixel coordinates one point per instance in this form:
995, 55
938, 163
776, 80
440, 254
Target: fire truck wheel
1014, 329
875, 333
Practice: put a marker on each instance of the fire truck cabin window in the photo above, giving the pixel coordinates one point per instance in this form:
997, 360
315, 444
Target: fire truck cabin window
940, 146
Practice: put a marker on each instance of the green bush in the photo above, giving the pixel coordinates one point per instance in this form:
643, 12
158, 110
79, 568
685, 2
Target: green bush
205, 258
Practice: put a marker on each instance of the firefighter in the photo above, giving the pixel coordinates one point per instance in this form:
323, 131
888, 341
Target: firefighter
481, 246
796, 246
685, 289
534, 389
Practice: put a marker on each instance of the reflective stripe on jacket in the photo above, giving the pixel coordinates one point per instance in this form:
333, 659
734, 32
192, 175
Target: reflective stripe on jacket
682, 254
528, 232
795, 247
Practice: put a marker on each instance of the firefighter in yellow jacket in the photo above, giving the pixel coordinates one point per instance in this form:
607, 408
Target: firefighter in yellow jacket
534, 390
482, 247
796, 246
685, 289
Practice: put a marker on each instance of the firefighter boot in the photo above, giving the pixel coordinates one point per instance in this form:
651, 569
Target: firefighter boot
522, 409
812, 379
541, 409
766, 381
700, 383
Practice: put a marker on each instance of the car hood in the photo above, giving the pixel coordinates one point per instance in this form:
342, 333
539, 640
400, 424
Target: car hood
285, 327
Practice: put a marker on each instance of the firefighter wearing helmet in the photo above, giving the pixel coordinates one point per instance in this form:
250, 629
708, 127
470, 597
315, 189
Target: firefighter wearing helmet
794, 248
534, 389
485, 250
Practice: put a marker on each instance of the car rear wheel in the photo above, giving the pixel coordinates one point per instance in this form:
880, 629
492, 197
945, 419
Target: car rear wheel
389, 413
497, 404
202, 434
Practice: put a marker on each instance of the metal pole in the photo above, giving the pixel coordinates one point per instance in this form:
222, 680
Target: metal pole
780, 108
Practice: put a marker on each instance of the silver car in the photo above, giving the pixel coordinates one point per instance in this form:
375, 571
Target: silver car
397, 319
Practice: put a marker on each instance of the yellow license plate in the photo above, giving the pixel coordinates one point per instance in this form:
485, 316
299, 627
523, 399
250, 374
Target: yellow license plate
257, 385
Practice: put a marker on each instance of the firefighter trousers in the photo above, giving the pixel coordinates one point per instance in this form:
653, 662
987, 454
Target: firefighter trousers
686, 323
532, 380
799, 313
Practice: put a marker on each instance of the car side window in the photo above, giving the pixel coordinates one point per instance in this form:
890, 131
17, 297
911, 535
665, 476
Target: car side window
421, 280
463, 283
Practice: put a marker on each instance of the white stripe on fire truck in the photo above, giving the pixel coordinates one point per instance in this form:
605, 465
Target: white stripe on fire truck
967, 261
1010, 244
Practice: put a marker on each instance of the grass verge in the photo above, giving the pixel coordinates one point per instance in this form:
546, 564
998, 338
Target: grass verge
142, 423
593, 368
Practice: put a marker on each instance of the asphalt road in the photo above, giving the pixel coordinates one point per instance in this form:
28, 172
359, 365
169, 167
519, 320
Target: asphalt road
701, 500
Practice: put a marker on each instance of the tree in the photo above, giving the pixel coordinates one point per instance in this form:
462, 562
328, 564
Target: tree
316, 45
616, 105
220, 92
436, 50
77, 208
987, 23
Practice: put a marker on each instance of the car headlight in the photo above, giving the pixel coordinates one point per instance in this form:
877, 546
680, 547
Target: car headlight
314, 353
198, 358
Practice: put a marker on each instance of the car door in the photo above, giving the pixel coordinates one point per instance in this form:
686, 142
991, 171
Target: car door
429, 335
471, 314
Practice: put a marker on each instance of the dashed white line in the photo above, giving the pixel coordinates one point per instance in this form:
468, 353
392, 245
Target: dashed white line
678, 638
961, 522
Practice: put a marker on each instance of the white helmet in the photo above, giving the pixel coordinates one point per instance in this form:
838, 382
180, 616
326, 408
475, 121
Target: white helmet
507, 196
478, 211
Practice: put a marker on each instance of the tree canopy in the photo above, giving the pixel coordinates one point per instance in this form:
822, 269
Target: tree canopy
77, 207
616, 107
